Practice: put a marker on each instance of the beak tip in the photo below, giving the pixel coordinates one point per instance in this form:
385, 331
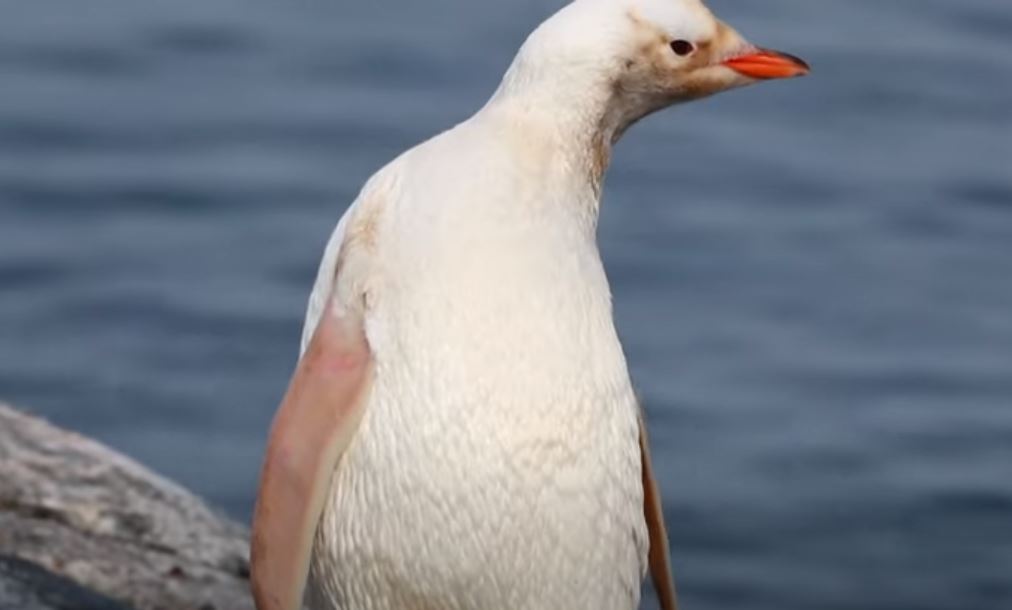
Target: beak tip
803, 68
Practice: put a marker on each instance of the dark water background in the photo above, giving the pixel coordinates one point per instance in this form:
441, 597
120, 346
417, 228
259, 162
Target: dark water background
813, 279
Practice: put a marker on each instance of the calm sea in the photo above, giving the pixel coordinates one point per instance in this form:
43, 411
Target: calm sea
813, 279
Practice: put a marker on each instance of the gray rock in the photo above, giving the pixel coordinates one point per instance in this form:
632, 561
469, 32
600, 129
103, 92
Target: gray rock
82, 511
26, 586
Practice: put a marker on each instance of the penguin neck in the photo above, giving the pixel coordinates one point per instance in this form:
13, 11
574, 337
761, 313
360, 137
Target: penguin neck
576, 122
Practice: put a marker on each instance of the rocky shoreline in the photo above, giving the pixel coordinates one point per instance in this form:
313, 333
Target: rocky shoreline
85, 528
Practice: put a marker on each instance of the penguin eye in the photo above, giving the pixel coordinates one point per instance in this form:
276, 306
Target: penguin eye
682, 47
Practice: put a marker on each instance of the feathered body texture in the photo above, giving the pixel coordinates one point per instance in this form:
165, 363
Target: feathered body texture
499, 457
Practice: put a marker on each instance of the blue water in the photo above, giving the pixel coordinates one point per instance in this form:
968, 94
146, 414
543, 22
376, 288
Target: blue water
813, 279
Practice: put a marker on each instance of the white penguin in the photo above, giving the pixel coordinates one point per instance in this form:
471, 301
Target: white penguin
461, 432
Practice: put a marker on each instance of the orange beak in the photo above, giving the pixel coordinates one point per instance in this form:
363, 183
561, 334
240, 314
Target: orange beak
764, 64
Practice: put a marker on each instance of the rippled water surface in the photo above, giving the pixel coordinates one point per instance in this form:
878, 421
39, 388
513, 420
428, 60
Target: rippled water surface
813, 279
